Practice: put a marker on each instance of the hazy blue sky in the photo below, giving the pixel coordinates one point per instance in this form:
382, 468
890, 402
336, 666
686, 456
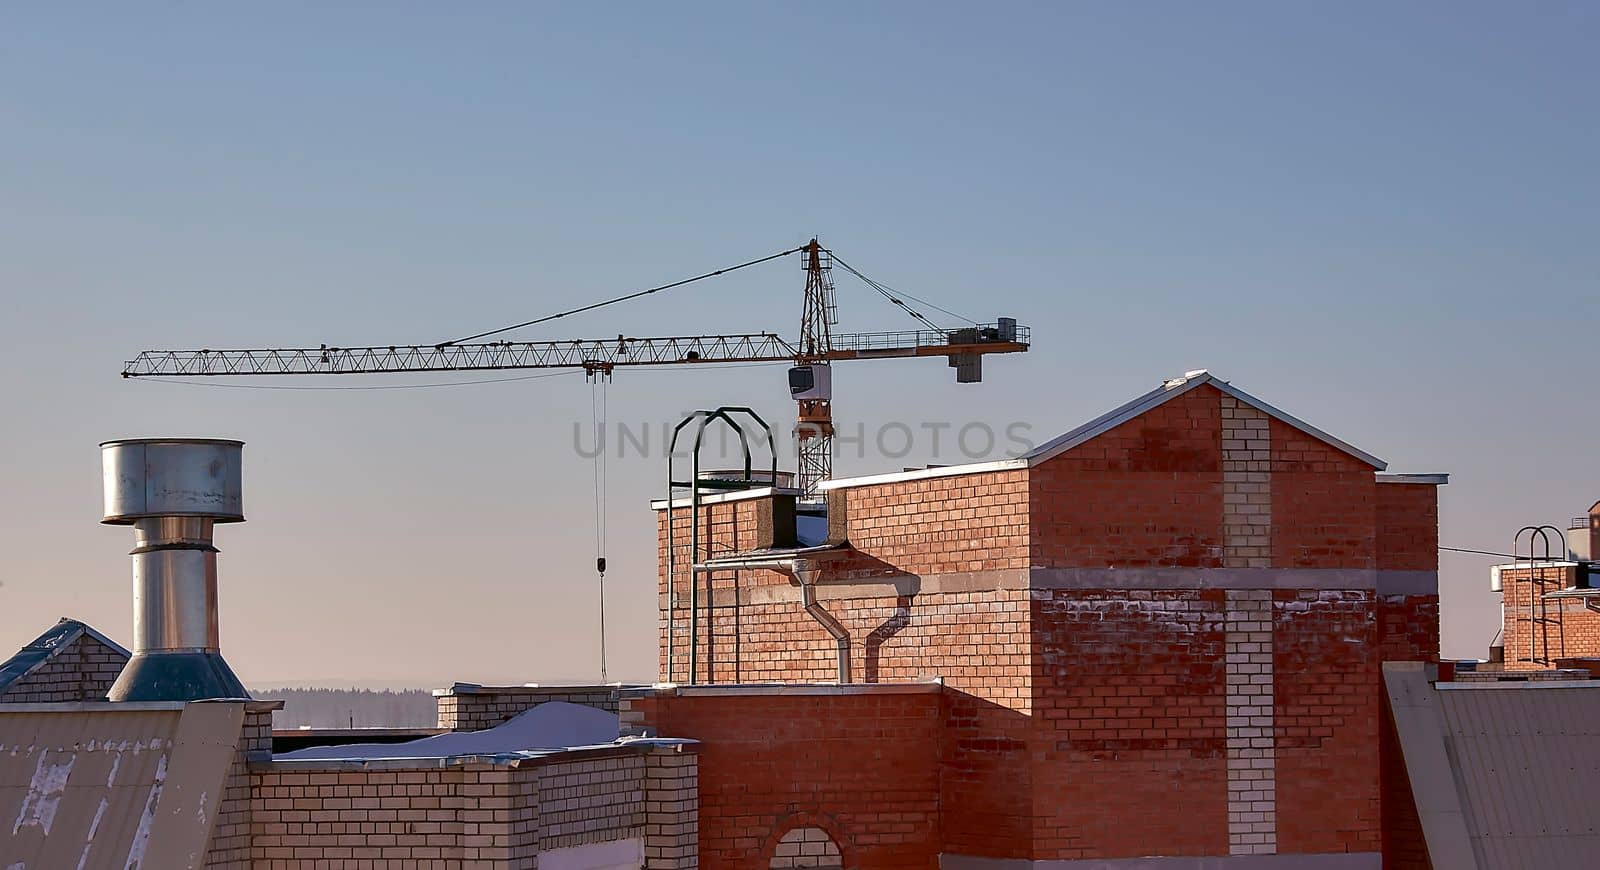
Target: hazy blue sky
1380, 217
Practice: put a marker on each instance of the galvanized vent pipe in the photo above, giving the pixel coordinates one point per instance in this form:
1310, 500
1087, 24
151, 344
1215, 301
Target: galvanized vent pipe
173, 491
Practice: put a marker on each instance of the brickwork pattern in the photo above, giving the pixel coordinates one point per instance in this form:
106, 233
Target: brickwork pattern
1252, 750
591, 801
807, 847
1246, 486
1147, 493
1129, 714
1572, 629
943, 525
977, 641
487, 706
1408, 527
869, 763
230, 834
82, 671
672, 810
1324, 504
469, 815
1326, 705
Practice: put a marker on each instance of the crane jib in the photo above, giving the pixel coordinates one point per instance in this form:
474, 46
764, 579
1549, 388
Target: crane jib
1005, 337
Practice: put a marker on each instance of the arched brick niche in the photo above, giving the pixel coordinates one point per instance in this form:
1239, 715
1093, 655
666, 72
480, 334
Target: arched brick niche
807, 847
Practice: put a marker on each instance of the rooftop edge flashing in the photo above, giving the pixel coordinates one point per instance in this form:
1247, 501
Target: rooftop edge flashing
1435, 479
530, 688
769, 689
624, 746
1168, 390
1489, 685
659, 504
925, 473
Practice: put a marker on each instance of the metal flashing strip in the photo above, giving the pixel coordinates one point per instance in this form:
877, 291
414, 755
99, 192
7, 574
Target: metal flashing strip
1419, 724
803, 689
103, 706
1430, 479
1492, 685
926, 473
489, 759
660, 504
1303, 861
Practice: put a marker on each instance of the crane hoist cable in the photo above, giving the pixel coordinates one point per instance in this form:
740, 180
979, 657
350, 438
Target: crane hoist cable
598, 414
624, 298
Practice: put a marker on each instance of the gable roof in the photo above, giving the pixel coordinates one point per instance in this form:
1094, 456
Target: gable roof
1172, 389
46, 646
1169, 390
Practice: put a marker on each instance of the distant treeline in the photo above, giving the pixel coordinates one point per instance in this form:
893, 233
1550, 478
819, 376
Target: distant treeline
345, 708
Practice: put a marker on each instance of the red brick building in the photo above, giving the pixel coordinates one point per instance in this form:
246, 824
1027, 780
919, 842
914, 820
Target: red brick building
1550, 606
1159, 634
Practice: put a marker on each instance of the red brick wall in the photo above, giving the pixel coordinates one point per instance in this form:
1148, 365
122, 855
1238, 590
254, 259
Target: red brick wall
976, 641
1408, 526
1147, 493
1129, 716
1325, 686
862, 767
1324, 504
726, 527
1577, 633
969, 522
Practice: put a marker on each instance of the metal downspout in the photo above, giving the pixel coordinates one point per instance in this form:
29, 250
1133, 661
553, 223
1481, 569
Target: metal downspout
806, 573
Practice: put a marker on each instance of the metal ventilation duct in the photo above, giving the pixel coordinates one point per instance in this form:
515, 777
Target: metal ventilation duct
173, 491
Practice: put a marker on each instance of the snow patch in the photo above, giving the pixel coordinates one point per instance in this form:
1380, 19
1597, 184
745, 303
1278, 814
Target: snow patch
44, 793
551, 725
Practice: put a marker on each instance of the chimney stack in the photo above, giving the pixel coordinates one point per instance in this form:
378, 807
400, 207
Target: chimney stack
173, 491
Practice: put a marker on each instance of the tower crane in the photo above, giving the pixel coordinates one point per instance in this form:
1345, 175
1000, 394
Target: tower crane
810, 378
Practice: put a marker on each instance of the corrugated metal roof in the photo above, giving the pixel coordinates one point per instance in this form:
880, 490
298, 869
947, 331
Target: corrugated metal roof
1526, 760
112, 785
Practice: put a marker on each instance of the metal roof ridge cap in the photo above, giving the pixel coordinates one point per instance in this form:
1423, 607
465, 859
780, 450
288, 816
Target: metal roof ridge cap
95, 633
92, 706
1114, 418
1475, 685
1298, 423
1014, 464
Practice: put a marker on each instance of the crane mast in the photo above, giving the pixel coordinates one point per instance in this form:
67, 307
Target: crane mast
811, 380
810, 377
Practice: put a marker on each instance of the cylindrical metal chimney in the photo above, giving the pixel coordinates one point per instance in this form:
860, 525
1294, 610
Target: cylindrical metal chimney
173, 491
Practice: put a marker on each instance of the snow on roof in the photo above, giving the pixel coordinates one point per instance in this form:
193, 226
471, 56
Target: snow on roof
551, 726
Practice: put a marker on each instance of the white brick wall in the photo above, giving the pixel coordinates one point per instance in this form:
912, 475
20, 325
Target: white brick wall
1246, 486
1252, 759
